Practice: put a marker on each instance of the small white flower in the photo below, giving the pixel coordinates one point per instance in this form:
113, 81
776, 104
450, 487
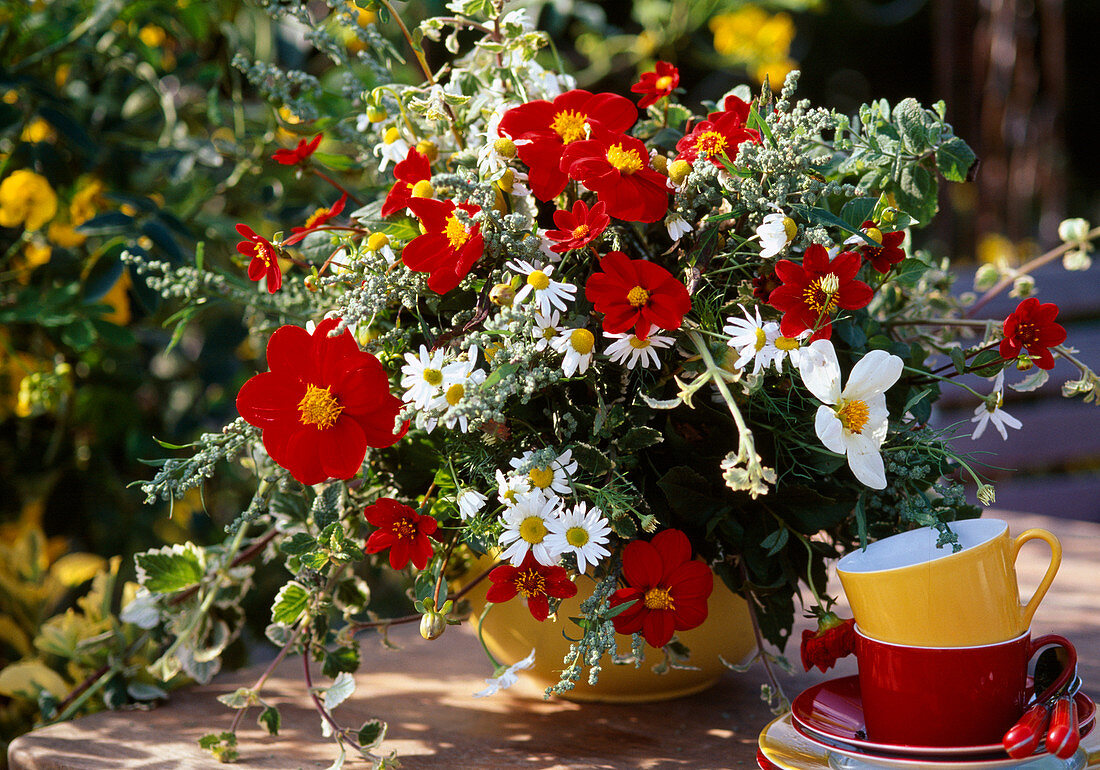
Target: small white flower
775, 232
578, 346
526, 529
781, 347
749, 337
990, 412
582, 533
509, 488
677, 227
506, 678
458, 378
630, 349
423, 377
546, 329
852, 421
549, 294
552, 478
470, 501
392, 149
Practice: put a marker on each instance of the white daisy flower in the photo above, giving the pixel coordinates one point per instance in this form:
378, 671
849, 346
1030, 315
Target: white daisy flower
677, 227
526, 529
509, 488
392, 149
506, 678
784, 348
749, 338
548, 294
496, 152
578, 346
582, 533
470, 501
552, 478
546, 329
852, 421
990, 412
775, 232
423, 377
630, 349
458, 378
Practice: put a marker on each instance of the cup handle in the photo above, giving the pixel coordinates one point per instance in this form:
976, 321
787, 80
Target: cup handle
1028, 610
1068, 672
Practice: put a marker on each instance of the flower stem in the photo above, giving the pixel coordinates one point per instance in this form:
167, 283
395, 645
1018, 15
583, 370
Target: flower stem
268, 671
337, 185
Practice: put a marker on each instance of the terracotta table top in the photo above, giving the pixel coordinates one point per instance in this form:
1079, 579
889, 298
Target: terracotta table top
423, 692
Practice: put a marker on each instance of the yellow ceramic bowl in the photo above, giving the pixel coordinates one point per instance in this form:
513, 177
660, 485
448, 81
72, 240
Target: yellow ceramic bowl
510, 633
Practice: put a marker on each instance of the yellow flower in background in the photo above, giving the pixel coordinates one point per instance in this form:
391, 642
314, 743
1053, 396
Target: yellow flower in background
366, 17
152, 35
61, 75
760, 40
996, 249
119, 301
26, 199
10, 97
87, 201
65, 235
775, 71
38, 130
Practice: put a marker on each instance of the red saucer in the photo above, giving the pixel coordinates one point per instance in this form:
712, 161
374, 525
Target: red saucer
833, 711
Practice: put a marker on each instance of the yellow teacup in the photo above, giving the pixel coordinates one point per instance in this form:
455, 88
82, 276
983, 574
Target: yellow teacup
905, 590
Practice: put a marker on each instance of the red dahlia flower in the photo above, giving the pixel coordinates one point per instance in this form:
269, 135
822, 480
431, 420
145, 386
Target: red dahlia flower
299, 154
834, 639
402, 530
661, 82
317, 219
1032, 326
616, 168
415, 168
888, 253
636, 293
717, 140
812, 291
579, 227
536, 582
732, 105
669, 589
323, 402
542, 129
265, 260
447, 249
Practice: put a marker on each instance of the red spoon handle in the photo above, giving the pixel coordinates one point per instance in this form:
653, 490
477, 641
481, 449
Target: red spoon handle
1063, 736
1023, 737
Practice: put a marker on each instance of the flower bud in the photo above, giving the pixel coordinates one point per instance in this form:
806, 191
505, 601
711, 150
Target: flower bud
391, 135
1071, 230
1022, 286
507, 180
376, 114
502, 294
1023, 363
422, 189
1076, 259
660, 163
874, 234
427, 149
377, 241
432, 625
678, 171
505, 146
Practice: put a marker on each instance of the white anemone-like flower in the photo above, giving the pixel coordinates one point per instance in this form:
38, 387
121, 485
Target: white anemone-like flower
526, 529
852, 421
582, 533
546, 329
506, 678
392, 149
782, 348
422, 376
550, 479
458, 377
578, 346
775, 232
510, 487
549, 294
470, 501
749, 337
990, 412
677, 227
631, 349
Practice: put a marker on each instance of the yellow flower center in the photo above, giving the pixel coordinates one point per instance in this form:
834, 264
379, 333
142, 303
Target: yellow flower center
427, 149
790, 227
820, 295
456, 232
570, 125
580, 231
533, 530
787, 343
663, 83
576, 537
658, 599
638, 344
433, 377
422, 189
404, 529
853, 415
626, 161
510, 496
678, 171
581, 340
319, 407
874, 234
549, 333
316, 216
637, 296
391, 135
505, 146
541, 477
538, 280
710, 144
377, 241
455, 393
761, 340
530, 583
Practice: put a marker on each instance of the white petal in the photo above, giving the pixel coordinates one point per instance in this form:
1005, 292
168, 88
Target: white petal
866, 462
829, 429
820, 371
876, 372
982, 419
878, 419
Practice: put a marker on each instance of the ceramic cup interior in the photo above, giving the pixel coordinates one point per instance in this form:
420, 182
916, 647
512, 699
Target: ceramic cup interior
918, 546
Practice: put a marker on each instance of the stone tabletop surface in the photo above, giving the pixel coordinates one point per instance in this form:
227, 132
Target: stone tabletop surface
423, 692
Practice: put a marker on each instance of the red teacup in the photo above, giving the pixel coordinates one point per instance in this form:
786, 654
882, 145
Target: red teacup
948, 696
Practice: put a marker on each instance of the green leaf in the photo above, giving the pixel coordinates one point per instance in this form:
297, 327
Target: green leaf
107, 223
170, 569
913, 122
917, 193
639, 437
775, 541
269, 719
371, 734
1034, 381
340, 690
908, 271
241, 698
340, 660
79, 335
290, 603
591, 459
334, 161
956, 161
299, 543
825, 217
987, 364
498, 374
326, 508
857, 211
958, 359
315, 560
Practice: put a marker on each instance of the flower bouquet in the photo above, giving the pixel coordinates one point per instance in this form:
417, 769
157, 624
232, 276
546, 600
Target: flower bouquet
579, 333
